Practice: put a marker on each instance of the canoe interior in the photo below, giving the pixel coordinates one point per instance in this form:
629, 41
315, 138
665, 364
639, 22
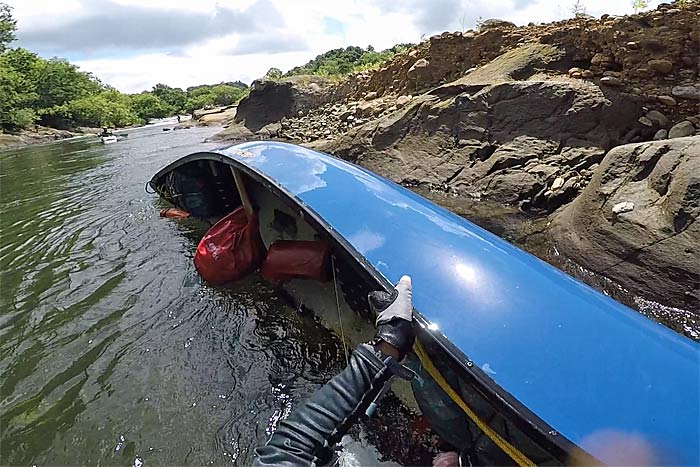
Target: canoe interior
206, 188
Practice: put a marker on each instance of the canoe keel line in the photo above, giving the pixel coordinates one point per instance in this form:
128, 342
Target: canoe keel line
528, 400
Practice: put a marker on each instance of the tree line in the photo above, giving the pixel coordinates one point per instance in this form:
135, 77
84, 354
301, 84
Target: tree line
56, 93
342, 61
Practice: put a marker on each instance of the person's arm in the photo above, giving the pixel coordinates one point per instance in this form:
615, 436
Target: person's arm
306, 436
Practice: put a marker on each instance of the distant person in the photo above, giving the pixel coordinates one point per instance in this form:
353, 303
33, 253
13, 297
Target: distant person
105, 132
178, 119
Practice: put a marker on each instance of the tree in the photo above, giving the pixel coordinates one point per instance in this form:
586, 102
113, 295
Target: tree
639, 5
174, 97
226, 95
109, 108
273, 73
15, 112
8, 26
147, 106
59, 82
17, 89
199, 97
578, 9
23, 62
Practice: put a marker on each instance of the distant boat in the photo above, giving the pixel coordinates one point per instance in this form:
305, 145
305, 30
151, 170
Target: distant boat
518, 361
109, 139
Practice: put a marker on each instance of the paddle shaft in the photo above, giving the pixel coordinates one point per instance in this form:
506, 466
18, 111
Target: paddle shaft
240, 185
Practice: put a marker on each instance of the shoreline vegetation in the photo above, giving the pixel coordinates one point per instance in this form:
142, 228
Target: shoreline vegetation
46, 99
43, 100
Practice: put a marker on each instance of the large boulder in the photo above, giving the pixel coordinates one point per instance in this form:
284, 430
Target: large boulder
492, 23
517, 64
637, 221
531, 143
270, 101
233, 132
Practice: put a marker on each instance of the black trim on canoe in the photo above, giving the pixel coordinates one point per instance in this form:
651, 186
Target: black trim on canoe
523, 418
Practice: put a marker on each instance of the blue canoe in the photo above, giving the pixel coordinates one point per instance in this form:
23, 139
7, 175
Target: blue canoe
584, 364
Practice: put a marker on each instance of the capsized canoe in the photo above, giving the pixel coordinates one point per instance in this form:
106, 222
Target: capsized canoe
572, 363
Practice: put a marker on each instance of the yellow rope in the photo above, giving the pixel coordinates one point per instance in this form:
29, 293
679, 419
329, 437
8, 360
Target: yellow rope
514, 453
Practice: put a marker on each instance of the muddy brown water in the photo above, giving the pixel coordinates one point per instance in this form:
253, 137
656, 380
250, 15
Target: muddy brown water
112, 349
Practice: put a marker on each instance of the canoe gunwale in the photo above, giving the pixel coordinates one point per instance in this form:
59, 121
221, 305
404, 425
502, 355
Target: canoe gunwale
539, 431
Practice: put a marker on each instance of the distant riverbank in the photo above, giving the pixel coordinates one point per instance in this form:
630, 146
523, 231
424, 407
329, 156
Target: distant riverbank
41, 135
44, 135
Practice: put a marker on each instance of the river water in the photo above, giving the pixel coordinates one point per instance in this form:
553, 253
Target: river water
112, 349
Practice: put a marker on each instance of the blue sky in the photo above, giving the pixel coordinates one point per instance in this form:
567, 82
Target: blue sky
134, 44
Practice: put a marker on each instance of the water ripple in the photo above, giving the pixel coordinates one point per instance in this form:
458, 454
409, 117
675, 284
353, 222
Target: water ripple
112, 350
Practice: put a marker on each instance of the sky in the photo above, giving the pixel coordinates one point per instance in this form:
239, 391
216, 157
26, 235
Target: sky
135, 44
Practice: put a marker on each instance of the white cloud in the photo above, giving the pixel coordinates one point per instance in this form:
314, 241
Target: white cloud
228, 40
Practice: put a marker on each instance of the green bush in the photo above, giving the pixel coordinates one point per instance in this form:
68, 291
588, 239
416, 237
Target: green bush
17, 119
198, 102
348, 60
273, 73
147, 106
216, 95
107, 109
226, 95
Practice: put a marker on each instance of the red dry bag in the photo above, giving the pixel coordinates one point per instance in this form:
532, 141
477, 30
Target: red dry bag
230, 249
297, 259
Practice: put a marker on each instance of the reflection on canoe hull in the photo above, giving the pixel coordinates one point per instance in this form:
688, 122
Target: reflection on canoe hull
293, 191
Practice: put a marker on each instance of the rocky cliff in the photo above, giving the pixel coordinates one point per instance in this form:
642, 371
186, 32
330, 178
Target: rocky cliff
554, 119
270, 101
637, 220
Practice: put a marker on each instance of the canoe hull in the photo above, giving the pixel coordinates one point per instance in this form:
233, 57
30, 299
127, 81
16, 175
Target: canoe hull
530, 338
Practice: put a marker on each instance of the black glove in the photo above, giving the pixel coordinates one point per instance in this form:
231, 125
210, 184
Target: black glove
394, 316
